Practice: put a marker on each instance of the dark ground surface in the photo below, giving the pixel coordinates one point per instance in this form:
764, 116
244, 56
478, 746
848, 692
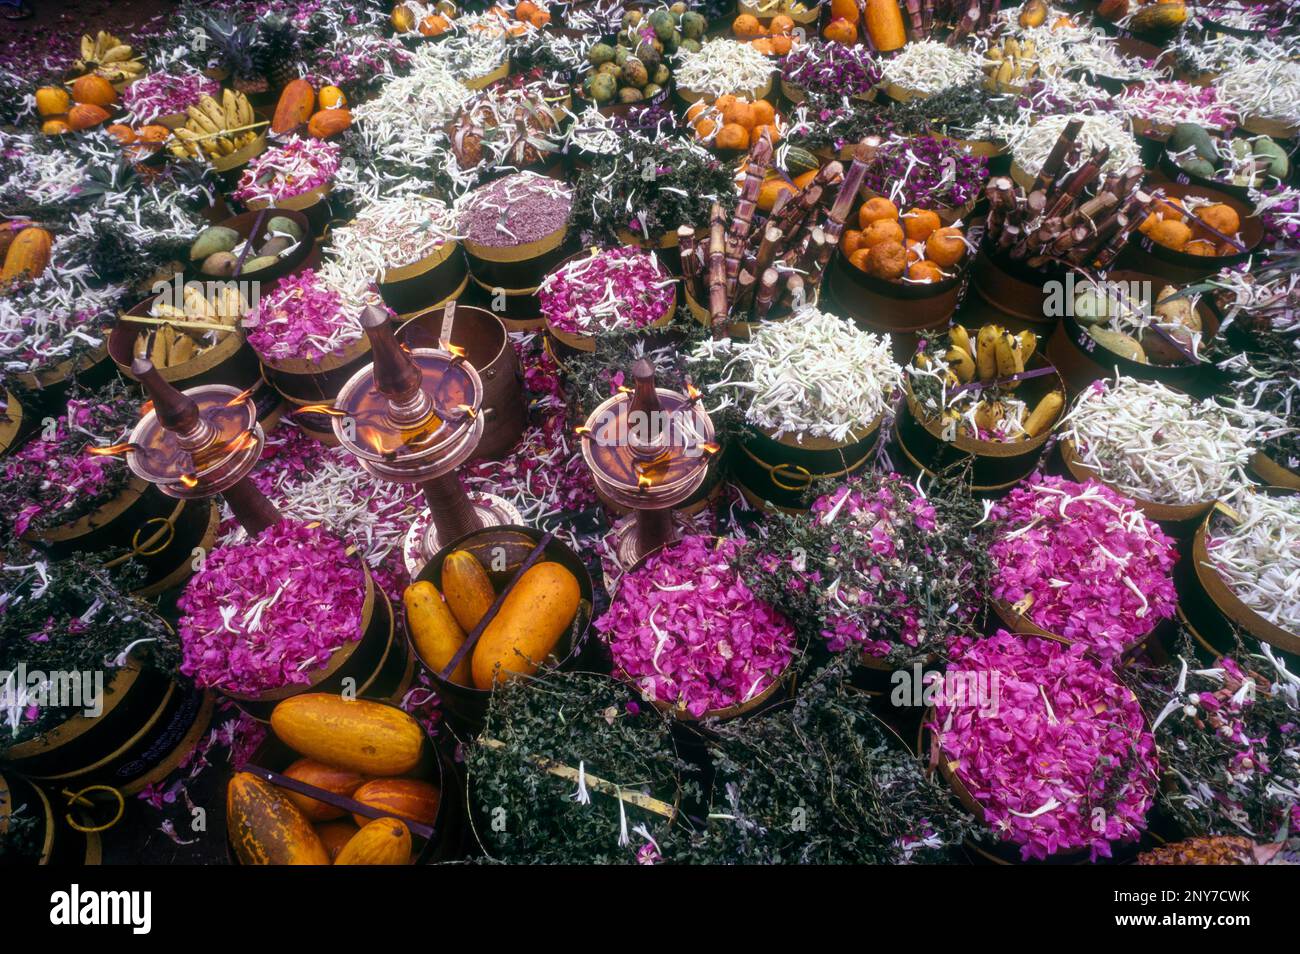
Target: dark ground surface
74, 17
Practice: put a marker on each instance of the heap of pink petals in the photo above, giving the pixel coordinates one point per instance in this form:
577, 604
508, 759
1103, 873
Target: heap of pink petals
874, 516
267, 613
1098, 572
689, 632
1050, 743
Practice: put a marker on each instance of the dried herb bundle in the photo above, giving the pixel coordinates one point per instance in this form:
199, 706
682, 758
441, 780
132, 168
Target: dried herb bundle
650, 189
824, 782
71, 616
876, 567
588, 727
1228, 739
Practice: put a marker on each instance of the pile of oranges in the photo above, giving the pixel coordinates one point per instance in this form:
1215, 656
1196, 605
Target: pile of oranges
732, 122
843, 25
915, 246
1165, 226
776, 39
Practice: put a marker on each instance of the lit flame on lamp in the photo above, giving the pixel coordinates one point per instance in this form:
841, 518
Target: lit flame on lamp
112, 450
328, 409
242, 396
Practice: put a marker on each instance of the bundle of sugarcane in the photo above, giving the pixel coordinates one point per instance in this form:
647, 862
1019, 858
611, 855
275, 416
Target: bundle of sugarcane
1077, 218
928, 19
743, 271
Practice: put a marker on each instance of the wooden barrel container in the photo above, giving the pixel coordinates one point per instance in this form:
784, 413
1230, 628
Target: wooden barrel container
565, 345
777, 471
1177, 174
56, 842
1013, 287
11, 422
1144, 255
303, 381
1177, 519
1005, 852
904, 310
149, 723
1213, 612
449, 829
373, 665
229, 360
113, 524
1082, 359
1268, 471
740, 330
518, 309
1149, 642
428, 283
164, 546
48, 387
519, 269
488, 348
506, 547
996, 466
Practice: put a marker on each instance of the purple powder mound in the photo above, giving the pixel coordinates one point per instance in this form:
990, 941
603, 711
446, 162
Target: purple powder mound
518, 209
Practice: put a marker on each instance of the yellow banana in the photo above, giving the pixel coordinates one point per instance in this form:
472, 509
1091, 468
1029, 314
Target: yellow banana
958, 336
1008, 358
960, 361
87, 47
1044, 415
229, 109
116, 54
200, 122
212, 109
1028, 342
986, 344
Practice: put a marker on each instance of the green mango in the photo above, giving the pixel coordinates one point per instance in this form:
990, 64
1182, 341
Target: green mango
285, 225
1272, 156
1120, 343
1191, 136
216, 238
254, 265
1197, 166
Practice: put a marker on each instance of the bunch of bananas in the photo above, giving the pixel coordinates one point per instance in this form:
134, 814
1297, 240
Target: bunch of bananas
107, 56
219, 303
991, 411
1011, 65
209, 131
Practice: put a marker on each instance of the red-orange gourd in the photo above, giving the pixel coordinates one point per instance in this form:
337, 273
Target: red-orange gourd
29, 254
297, 103
329, 122
884, 24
